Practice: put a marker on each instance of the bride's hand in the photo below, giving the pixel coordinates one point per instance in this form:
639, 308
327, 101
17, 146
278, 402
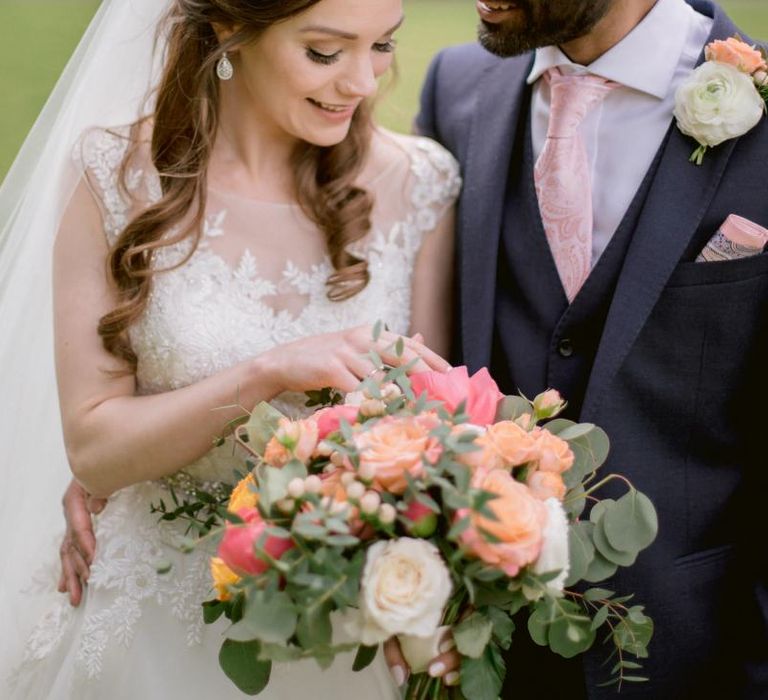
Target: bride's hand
79, 543
446, 665
340, 359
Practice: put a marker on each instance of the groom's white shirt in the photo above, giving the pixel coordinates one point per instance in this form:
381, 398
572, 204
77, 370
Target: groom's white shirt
623, 135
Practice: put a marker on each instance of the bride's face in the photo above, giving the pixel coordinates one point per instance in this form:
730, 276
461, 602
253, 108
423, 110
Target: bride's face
306, 76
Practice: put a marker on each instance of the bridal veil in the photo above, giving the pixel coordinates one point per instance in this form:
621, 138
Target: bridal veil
105, 83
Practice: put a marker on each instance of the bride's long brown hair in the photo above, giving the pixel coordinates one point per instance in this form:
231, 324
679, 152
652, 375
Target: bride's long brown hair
184, 125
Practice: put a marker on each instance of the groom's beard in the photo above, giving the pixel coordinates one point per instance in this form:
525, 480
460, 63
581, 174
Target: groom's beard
542, 23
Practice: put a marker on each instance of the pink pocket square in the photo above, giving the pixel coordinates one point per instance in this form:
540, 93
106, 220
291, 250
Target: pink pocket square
737, 238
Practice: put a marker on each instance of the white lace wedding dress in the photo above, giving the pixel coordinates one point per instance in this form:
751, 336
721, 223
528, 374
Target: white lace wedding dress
257, 280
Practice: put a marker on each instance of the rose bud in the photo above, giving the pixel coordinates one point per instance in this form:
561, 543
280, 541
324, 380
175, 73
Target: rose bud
313, 484
423, 518
387, 514
355, 491
296, 488
548, 404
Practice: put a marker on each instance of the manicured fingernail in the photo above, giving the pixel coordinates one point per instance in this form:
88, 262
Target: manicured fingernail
398, 673
446, 645
451, 678
437, 669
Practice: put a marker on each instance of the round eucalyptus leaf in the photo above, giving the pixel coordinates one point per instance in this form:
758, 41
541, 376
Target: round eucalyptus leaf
632, 524
612, 554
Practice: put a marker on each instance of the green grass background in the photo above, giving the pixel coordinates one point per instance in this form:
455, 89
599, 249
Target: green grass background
38, 36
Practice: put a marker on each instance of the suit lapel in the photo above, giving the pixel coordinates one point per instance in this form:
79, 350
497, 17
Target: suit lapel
677, 201
491, 141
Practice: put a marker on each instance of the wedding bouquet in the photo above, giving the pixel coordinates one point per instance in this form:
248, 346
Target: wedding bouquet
421, 502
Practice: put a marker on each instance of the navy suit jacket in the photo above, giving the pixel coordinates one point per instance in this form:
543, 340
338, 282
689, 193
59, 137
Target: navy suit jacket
679, 380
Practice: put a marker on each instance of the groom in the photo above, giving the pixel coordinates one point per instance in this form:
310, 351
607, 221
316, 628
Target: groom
593, 289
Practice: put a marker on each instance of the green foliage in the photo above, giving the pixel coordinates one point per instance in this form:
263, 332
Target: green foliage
240, 661
473, 634
364, 657
482, 678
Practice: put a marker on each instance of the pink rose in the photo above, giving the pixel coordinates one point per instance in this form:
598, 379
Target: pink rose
329, 419
237, 546
480, 392
737, 54
519, 527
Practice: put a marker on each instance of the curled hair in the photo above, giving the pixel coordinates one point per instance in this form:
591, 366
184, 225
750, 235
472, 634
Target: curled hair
184, 126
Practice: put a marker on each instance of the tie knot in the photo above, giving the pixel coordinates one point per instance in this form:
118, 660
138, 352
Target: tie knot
572, 97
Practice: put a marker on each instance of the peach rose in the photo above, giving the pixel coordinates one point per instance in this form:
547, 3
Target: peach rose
394, 446
243, 495
555, 454
292, 440
237, 546
519, 527
480, 392
736, 53
546, 485
503, 445
223, 577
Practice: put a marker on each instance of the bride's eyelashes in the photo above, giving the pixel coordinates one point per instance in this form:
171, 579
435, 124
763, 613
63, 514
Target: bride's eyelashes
327, 59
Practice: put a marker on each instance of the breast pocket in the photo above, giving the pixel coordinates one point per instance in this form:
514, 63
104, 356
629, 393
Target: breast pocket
691, 274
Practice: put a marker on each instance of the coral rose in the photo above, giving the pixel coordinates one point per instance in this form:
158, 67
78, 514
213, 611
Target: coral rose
236, 549
555, 454
329, 419
506, 444
223, 578
519, 526
243, 495
292, 440
736, 53
480, 392
395, 446
546, 485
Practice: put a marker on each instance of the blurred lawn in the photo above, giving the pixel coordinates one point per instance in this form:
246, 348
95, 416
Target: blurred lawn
37, 37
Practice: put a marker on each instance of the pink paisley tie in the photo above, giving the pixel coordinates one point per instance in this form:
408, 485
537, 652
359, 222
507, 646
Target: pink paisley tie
562, 175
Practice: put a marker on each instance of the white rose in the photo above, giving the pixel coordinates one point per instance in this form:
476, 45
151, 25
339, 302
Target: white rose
717, 103
404, 589
554, 550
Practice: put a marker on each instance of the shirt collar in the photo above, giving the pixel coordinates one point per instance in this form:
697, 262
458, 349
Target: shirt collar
645, 60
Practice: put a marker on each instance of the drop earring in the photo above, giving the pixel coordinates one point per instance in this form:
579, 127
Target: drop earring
224, 68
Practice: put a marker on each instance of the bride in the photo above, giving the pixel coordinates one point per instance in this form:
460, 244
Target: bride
235, 245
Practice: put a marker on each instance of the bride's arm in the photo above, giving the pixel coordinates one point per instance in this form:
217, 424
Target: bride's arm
432, 301
114, 437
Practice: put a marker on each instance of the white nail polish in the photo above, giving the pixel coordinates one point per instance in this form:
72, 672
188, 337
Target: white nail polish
446, 645
398, 673
451, 678
437, 669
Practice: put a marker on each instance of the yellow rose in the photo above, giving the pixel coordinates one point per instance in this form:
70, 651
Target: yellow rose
223, 578
243, 495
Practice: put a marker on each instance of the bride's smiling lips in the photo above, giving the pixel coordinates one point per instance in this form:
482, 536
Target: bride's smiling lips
338, 113
496, 11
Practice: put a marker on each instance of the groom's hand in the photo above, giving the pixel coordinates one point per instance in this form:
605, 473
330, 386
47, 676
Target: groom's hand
446, 665
79, 543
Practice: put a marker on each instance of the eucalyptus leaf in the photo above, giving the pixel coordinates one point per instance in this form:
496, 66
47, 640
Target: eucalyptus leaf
574, 432
581, 551
634, 638
269, 618
599, 569
610, 553
261, 426
314, 626
482, 679
240, 662
473, 634
364, 657
503, 626
569, 636
539, 622
600, 617
512, 407
632, 524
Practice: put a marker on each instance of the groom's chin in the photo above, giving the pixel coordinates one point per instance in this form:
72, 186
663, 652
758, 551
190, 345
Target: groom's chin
502, 41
